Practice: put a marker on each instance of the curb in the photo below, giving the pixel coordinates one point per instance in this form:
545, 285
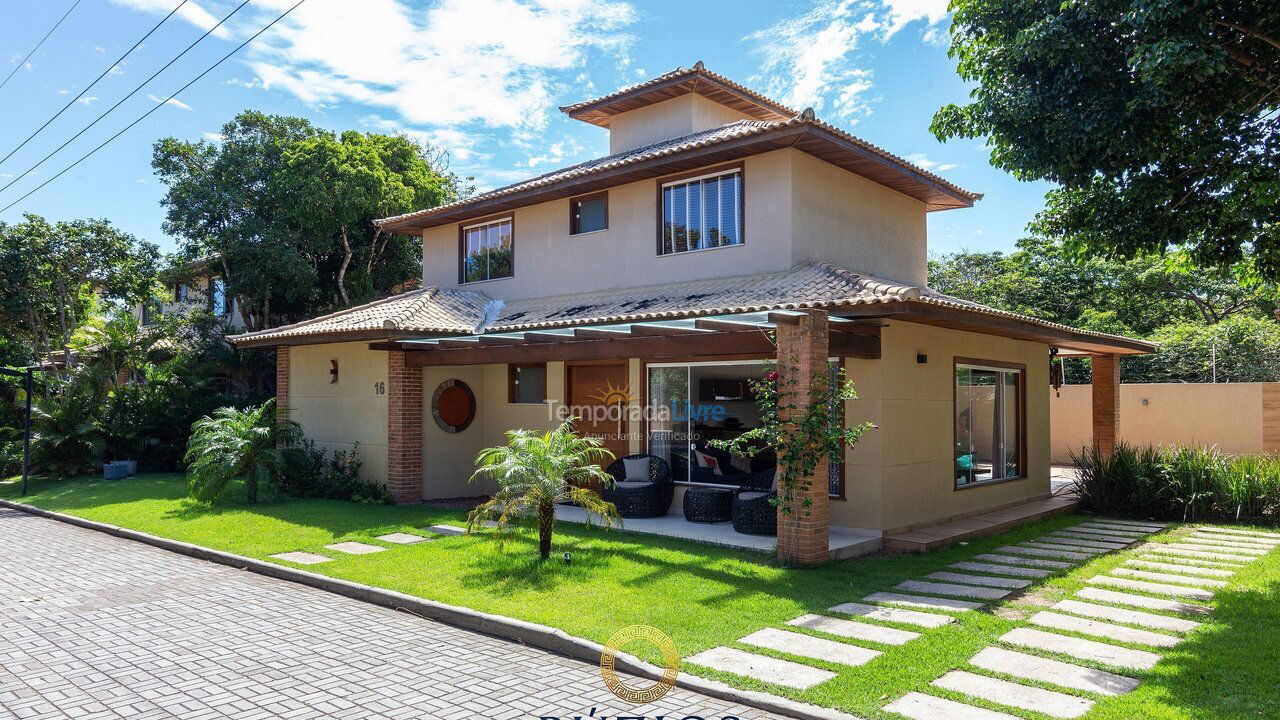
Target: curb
499, 626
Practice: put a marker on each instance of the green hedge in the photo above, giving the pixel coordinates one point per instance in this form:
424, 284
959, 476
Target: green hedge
1179, 483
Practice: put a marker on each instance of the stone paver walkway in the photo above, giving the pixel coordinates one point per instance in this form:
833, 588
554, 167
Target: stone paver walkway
1088, 627
94, 626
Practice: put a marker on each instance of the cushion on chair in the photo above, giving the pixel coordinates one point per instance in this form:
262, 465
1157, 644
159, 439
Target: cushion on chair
633, 484
637, 468
751, 495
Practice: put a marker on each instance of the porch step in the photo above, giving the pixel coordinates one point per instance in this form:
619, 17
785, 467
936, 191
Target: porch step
991, 523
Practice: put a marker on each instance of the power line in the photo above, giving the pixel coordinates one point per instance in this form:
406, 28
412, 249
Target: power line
122, 131
37, 47
120, 102
95, 82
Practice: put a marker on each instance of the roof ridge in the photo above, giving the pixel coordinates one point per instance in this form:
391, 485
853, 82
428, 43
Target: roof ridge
877, 284
698, 69
336, 313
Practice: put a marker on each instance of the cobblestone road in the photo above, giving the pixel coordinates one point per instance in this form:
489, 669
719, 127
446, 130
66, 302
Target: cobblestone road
94, 626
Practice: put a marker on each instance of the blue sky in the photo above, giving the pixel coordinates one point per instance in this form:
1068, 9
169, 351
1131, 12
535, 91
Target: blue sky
480, 78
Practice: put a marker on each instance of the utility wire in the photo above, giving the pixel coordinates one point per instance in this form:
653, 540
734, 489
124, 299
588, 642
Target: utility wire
95, 82
120, 102
37, 47
122, 131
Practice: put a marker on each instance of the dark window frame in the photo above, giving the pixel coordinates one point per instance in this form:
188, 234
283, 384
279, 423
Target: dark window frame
462, 245
1023, 473
573, 225
740, 167
513, 371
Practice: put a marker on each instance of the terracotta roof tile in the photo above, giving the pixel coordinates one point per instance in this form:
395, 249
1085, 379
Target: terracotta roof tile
697, 69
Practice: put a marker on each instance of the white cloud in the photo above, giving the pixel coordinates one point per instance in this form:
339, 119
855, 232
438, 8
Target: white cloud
170, 101
923, 161
212, 137
815, 59
192, 12
461, 146
87, 99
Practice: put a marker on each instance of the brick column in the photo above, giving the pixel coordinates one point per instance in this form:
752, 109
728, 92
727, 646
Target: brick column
282, 383
1106, 402
404, 429
802, 354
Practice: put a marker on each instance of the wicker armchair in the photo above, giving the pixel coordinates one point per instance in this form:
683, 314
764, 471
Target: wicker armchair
639, 499
752, 510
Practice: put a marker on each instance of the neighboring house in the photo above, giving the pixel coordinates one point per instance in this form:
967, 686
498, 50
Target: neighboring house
653, 279
198, 284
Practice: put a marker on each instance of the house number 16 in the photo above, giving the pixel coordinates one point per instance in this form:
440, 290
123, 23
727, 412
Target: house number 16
380, 388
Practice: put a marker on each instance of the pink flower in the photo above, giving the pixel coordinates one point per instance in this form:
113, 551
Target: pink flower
772, 376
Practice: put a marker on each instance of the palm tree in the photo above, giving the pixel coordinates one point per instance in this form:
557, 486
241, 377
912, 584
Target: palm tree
236, 443
535, 472
114, 347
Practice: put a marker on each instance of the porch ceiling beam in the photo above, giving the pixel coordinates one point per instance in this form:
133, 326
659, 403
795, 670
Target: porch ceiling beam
453, 343
546, 337
652, 347
727, 325
489, 341
642, 330
597, 334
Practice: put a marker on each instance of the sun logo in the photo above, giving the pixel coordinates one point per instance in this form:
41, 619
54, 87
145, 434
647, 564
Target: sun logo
610, 395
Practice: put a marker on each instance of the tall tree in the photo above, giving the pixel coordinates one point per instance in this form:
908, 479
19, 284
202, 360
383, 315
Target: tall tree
287, 210
1158, 120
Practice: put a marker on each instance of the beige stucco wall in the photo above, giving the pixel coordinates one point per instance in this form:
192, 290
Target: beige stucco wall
1229, 415
338, 416
448, 459
847, 220
668, 119
796, 208
902, 474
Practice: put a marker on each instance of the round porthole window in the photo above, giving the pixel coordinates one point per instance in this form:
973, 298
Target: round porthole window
453, 406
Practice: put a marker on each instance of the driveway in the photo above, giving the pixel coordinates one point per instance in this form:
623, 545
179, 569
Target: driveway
94, 626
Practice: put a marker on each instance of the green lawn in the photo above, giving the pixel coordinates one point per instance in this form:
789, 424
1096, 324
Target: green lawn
700, 595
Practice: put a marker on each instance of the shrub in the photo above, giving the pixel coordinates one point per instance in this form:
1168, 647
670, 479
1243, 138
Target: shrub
235, 443
1179, 483
309, 473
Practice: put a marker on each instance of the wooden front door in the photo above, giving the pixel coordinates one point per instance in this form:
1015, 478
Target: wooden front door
602, 393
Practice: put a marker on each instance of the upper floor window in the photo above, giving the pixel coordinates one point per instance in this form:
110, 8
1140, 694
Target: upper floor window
702, 212
488, 251
180, 292
589, 213
218, 297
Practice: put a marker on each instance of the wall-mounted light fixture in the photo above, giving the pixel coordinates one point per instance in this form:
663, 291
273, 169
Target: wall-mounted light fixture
333, 372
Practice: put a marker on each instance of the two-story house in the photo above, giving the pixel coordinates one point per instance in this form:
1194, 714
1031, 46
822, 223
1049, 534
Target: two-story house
191, 286
640, 291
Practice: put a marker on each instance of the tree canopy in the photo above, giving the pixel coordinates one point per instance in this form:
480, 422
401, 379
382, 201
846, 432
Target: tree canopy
1157, 120
287, 211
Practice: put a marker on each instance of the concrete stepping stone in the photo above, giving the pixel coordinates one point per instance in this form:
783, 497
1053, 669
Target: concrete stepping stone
794, 643
1166, 549
1056, 550
892, 614
398, 538
1136, 523
1132, 617
1183, 569
761, 667
1219, 547
1023, 697
1060, 545
1104, 630
1150, 587
919, 706
1253, 539
1091, 650
1034, 667
1166, 577
1142, 601
1082, 543
1035, 551
302, 558
997, 582
922, 601
1074, 535
854, 629
1238, 531
1148, 529
1033, 562
1217, 542
1001, 569
448, 529
1098, 531
352, 547
964, 591
1234, 567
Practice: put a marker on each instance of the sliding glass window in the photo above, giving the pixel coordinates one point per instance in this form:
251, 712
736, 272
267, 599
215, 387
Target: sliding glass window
702, 213
989, 423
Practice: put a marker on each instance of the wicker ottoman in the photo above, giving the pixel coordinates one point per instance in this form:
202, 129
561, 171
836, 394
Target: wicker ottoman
707, 505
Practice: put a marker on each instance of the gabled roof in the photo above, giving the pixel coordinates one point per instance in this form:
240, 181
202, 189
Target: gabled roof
701, 149
681, 81
442, 312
